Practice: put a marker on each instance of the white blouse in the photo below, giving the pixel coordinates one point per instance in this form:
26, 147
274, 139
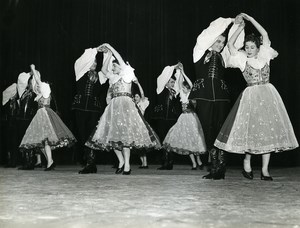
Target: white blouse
238, 59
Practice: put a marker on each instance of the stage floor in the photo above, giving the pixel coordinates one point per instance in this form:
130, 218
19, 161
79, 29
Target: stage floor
148, 198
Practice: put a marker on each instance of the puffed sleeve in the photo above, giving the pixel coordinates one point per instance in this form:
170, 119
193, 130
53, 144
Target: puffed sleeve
84, 62
128, 73
8, 93
238, 43
144, 103
237, 59
209, 35
22, 82
267, 53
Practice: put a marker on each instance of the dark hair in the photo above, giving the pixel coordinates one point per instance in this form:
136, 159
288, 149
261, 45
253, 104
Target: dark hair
29, 81
115, 61
30, 78
137, 93
185, 84
252, 38
225, 35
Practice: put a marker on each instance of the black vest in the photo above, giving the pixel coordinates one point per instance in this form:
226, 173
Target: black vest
210, 84
90, 94
166, 108
28, 106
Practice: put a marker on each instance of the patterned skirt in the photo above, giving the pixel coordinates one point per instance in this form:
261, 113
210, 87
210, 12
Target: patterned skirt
46, 127
122, 125
257, 124
186, 136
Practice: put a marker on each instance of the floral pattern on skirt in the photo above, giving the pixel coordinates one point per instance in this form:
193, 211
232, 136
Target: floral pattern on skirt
186, 136
46, 127
257, 124
121, 125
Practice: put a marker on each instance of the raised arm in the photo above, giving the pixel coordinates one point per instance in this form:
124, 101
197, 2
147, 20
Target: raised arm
259, 28
180, 79
114, 52
140, 88
106, 62
233, 38
36, 74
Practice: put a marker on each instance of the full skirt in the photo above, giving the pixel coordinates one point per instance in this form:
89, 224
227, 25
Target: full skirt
122, 125
257, 124
186, 136
46, 127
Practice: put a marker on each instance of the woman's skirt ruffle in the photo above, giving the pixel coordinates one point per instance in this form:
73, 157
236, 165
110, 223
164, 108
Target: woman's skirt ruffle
46, 127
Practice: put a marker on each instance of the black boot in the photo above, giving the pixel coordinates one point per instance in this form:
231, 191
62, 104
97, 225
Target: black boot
221, 168
167, 161
91, 163
214, 164
28, 163
170, 161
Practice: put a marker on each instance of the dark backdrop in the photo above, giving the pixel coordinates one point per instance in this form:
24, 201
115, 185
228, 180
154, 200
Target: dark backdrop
150, 34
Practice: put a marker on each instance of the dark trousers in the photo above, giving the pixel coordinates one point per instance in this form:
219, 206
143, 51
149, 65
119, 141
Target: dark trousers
10, 131
212, 116
86, 122
27, 155
161, 127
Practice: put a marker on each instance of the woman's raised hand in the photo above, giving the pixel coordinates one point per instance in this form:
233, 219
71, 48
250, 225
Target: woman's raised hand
239, 19
246, 16
179, 66
32, 66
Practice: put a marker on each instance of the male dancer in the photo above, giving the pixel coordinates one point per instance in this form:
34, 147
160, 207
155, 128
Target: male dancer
210, 90
166, 110
28, 108
89, 104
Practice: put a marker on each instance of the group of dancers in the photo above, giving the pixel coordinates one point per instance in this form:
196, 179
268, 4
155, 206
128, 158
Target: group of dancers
188, 118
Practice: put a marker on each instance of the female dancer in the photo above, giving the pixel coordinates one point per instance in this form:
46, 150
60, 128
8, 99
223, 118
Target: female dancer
46, 130
258, 122
120, 127
186, 136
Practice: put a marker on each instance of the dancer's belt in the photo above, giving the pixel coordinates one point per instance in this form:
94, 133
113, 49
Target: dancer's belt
121, 94
43, 106
257, 83
187, 110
